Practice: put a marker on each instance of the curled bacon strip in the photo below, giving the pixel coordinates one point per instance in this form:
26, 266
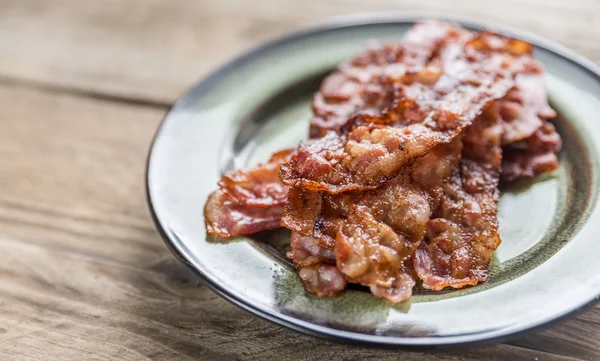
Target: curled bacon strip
315, 262
464, 231
365, 86
533, 155
474, 73
525, 107
248, 200
374, 233
530, 142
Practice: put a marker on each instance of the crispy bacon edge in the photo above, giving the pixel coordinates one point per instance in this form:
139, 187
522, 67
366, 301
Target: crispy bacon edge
247, 200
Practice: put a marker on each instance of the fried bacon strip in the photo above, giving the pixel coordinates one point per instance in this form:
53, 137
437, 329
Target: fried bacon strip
533, 155
386, 225
464, 231
248, 200
365, 86
315, 263
525, 107
474, 73
530, 142
523, 164
374, 233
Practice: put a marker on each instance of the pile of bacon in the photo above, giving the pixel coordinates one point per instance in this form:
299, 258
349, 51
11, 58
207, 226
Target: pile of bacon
398, 184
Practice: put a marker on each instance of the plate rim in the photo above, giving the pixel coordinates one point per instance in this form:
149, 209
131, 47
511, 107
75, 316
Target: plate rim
177, 248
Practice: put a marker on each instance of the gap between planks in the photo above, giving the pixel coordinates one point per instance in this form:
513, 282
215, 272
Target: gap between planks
84, 93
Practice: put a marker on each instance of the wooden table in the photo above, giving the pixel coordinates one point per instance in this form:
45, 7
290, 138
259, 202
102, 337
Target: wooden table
83, 87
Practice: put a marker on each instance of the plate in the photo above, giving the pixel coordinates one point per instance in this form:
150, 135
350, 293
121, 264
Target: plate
546, 267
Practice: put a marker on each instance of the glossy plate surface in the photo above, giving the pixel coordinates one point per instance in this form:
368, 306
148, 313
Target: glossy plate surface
546, 267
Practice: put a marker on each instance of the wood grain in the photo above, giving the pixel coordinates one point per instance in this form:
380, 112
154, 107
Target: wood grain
83, 86
64, 161
84, 276
152, 50
99, 315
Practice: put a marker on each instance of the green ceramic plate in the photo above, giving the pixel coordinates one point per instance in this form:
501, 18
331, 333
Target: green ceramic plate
546, 267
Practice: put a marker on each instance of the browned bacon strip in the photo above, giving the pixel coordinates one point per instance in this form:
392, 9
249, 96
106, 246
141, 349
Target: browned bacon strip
522, 164
464, 232
374, 233
533, 155
258, 186
226, 219
530, 141
525, 107
365, 85
315, 263
384, 228
475, 73
545, 139
248, 200
314, 219
317, 214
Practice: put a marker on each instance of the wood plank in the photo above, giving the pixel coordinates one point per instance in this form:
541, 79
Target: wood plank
67, 307
152, 50
72, 174
577, 337
84, 273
